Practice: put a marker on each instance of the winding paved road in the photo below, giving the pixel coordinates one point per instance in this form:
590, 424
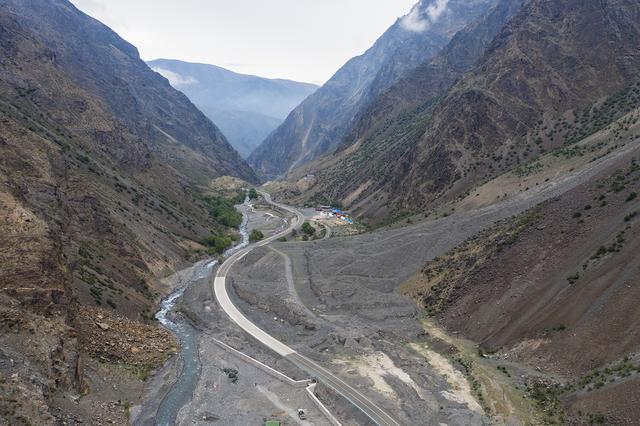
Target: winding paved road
321, 374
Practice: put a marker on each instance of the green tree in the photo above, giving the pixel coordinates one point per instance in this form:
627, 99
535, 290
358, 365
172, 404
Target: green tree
308, 229
217, 243
253, 194
223, 210
256, 235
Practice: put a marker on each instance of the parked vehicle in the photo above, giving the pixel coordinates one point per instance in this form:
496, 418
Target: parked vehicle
301, 414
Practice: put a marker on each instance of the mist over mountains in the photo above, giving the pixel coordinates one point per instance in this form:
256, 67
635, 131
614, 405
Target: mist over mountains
246, 108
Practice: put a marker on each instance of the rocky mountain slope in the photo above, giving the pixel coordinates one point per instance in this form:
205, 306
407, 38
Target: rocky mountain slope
104, 169
386, 128
247, 108
553, 290
551, 59
320, 123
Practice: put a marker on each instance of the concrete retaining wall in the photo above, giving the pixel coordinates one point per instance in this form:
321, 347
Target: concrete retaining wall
272, 372
324, 410
309, 384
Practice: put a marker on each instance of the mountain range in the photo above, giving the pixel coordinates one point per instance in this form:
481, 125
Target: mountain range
247, 108
477, 108
319, 124
110, 177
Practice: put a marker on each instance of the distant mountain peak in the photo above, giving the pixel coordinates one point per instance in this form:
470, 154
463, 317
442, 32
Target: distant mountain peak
247, 108
321, 122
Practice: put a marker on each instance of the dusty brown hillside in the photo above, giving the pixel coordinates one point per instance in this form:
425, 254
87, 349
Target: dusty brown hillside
554, 290
96, 202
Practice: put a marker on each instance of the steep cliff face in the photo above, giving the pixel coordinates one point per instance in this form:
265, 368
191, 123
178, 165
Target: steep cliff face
395, 120
102, 165
423, 86
97, 60
551, 58
320, 123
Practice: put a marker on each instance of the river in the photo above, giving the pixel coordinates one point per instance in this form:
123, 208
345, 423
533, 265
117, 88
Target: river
182, 390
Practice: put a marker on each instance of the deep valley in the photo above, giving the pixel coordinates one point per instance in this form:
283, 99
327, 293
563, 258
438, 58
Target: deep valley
444, 233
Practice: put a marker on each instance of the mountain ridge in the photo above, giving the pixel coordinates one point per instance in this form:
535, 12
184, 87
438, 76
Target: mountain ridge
246, 107
318, 125
490, 109
105, 174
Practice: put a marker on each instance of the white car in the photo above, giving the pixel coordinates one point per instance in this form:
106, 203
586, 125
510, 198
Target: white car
301, 414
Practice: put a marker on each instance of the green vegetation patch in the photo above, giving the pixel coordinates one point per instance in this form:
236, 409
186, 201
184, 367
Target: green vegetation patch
256, 235
217, 243
598, 117
223, 210
308, 229
528, 169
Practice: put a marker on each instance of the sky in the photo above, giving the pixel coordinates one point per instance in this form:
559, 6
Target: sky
303, 40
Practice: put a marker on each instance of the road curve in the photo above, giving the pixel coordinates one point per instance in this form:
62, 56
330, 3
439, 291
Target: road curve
321, 374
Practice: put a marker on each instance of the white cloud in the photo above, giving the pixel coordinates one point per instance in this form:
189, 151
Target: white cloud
175, 79
419, 20
413, 20
436, 9
278, 39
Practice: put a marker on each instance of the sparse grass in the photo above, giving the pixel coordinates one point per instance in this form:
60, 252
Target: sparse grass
445, 273
631, 216
126, 405
615, 247
528, 169
573, 278
547, 399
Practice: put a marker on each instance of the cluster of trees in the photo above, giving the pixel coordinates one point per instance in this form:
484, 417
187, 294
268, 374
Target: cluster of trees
217, 243
308, 229
256, 235
223, 211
